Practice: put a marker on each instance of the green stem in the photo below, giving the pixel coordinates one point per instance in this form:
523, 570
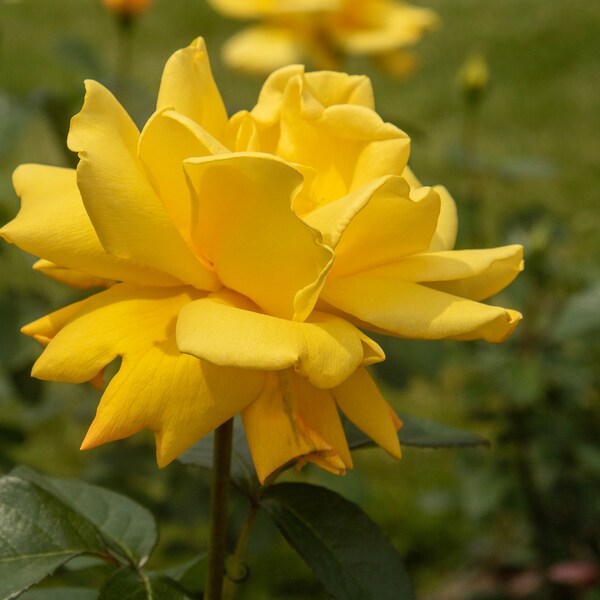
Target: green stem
219, 499
237, 568
124, 53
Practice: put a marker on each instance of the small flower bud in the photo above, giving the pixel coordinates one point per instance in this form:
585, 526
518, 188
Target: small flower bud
474, 77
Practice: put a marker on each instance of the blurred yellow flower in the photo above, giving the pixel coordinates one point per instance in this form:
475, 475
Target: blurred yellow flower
127, 7
323, 30
240, 257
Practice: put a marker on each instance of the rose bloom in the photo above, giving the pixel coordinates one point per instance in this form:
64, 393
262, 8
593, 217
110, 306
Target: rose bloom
242, 259
321, 30
127, 7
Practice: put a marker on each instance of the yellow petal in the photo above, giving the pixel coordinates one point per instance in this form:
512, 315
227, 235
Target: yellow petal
167, 140
292, 420
261, 50
251, 9
187, 86
53, 223
347, 145
444, 237
326, 350
245, 227
381, 25
178, 397
360, 400
128, 216
473, 274
376, 225
43, 330
75, 279
411, 310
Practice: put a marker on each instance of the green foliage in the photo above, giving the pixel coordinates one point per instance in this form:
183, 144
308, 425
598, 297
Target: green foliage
347, 551
45, 522
129, 584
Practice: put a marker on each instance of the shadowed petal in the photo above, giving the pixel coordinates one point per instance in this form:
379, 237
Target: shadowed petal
75, 279
167, 140
361, 401
292, 420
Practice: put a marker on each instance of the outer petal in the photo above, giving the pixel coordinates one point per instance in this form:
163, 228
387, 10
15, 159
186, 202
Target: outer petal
250, 9
447, 226
326, 350
178, 397
53, 223
361, 401
187, 85
376, 225
75, 279
167, 140
265, 252
128, 216
411, 310
381, 25
473, 274
261, 50
291, 420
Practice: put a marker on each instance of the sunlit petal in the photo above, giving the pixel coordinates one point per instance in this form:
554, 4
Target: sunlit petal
187, 86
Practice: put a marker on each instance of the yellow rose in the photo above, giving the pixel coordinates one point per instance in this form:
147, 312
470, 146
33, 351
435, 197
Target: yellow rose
320, 30
127, 7
242, 258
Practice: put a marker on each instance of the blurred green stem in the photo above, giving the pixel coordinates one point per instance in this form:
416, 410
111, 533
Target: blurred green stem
219, 500
124, 53
237, 569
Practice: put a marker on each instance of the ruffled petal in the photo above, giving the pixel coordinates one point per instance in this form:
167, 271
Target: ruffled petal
127, 215
75, 279
326, 350
361, 401
376, 225
52, 223
246, 229
291, 420
410, 310
167, 140
262, 49
472, 274
177, 396
187, 86
347, 145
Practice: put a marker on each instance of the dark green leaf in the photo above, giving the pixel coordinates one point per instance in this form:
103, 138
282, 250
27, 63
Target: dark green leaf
190, 574
128, 584
243, 474
346, 549
61, 594
38, 533
421, 433
127, 527
580, 315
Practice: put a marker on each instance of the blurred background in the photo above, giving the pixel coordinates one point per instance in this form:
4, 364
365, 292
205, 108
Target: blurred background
502, 110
